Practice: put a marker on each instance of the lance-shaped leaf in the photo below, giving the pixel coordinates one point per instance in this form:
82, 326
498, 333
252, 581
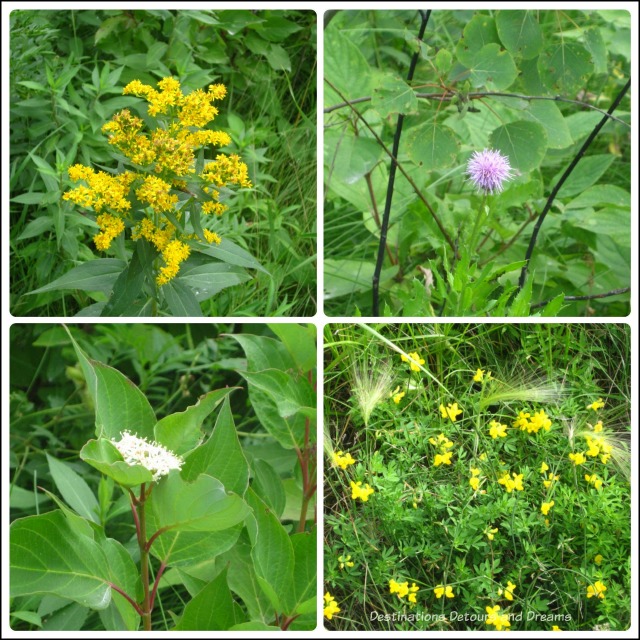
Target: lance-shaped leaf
202, 505
74, 490
300, 341
272, 552
104, 456
180, 432
220, 456
48, 556
302, 595
119, 404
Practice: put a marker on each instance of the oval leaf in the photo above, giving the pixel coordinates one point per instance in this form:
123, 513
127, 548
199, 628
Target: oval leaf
525, 143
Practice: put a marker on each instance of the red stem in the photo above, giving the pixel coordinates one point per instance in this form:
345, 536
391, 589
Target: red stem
127, 597
156, 582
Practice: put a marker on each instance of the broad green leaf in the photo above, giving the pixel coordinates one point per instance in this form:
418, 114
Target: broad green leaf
304, 571
208, 279
564, 67
432, 146
24, 500
587, 172
581, 124
47, 556
601, 194
278, 58
253, 625
119, 404
293, 494
181, 432
521, 303
525, 143
103, 455
74, 490
550, 117
272, 552
343, 277
349, 158
553, 307
181, 300
290, 394
36, 227
202, 505
493, 67
345, 67
595, 45
276, 28
124, 573
391, 94
300, 343
478, 32
264, 352
95, 275
127, 288
520, 33
30, 617
213, 609
268, 486
443, 61
231, 253
609, 221
221, 455
69, 618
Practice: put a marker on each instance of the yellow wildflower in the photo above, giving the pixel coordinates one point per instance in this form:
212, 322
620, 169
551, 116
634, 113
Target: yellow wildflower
497, 430
342, 460
480, 375
499, 621
598, 404
577, 458
596, 589
397, 395
544, 467
491, 533
330, 606
508, 592
345, 561
597, 427
546, 507
415, 360
358, 491
555, 627
110, 228
444, 458
451, 411
594, 480
598, 559
440, 591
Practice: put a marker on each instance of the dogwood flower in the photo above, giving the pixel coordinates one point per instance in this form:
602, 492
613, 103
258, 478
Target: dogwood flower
151, 455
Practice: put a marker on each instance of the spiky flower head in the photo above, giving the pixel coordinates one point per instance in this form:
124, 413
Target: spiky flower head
151, 455
488, 169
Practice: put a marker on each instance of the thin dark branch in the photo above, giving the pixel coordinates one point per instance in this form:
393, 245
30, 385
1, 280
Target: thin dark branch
563, 179
375, 303
476, 95
127, 597
608, 294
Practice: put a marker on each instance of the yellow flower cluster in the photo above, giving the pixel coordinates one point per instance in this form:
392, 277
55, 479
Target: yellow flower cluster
345, 561
451, 411
358, 491
532, 424
546, 507
415, 359
550, 476
441, 590
474, 480
510, 483
508, 592
598, 404
577, 458
480, 375
330, 606
165, 155
594, 480
497, 430
403, 590
596, 589
443, 443
499, 621
491, 533
397, 395
342, 460
598, 446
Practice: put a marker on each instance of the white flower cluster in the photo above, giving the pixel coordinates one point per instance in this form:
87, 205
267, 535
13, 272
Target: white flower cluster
150, 455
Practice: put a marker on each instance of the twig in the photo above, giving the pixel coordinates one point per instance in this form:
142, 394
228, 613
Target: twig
375, 303
565, 175
128, 598
613, 292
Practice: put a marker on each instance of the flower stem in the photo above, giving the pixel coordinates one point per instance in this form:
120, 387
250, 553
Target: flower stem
474, 234
144, 559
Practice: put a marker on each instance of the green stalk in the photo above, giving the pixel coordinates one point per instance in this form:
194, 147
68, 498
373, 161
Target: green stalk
144, 559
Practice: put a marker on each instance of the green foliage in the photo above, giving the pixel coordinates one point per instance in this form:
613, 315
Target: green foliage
556, 72
67, 73
432, 522
234, 526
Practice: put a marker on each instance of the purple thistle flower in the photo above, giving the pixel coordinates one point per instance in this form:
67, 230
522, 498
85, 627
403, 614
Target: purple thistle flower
488, 169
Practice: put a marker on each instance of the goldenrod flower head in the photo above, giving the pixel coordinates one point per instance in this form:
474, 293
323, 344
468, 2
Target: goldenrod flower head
342, 460
597, 404
414, 360
358, 491
546, 507
441, 590
596, 589
330, 606
451, 411
497, 430
151, 455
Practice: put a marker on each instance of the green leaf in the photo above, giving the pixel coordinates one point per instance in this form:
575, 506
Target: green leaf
478, 32
231, 253
432, 146
47, 556
202, 505
268, 486
124, 573
181, 432
253, 625
127, 288
95, 275
276, 28
272, 552
600, 194
24, 500
565, 67
550, 117
587, 172
553, 307
343, 277
345, 67
263, 352
212, 609
493, 67
208, 279
304, 572
391, 94
595, 45
525, 143
520, 33
181, 299
443, 61
103, 456
30, 617
349, 158
521, 305
119, 404
221, 455
300, 343
74, 490
278, 58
